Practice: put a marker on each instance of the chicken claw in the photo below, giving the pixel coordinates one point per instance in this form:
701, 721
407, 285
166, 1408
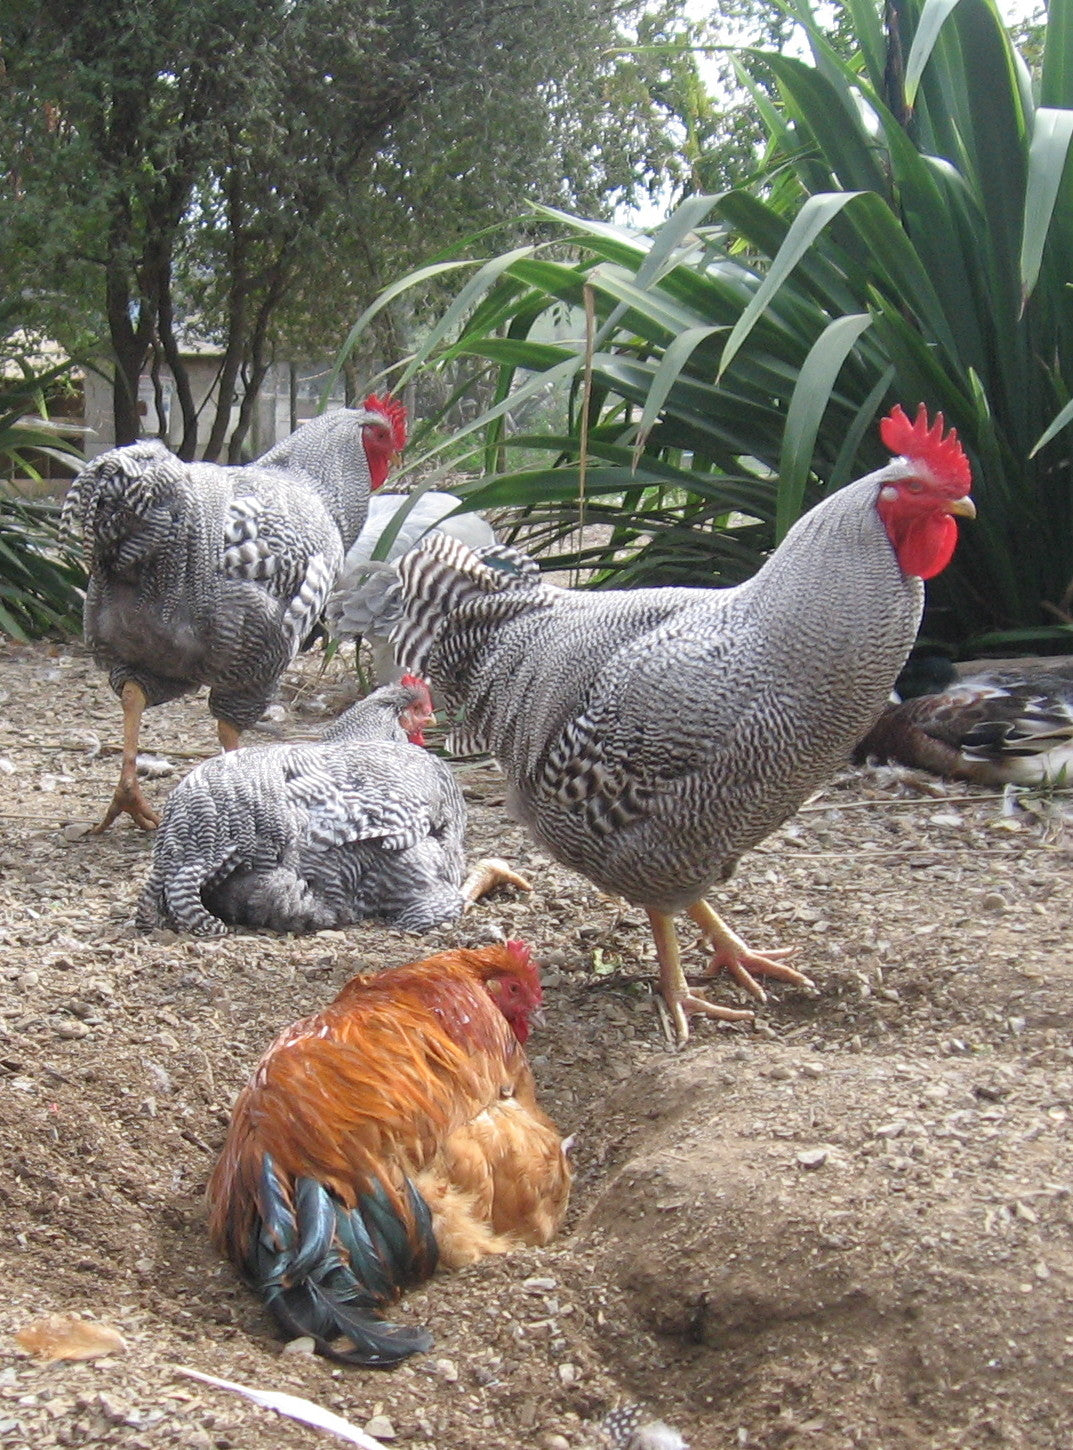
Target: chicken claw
731, 953
490, 872
129, 800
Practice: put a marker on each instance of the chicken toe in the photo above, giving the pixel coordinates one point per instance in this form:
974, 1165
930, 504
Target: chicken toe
730, 953
489, 873
128, 800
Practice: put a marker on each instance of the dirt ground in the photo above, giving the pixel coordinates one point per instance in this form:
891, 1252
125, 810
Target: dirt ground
847, 1227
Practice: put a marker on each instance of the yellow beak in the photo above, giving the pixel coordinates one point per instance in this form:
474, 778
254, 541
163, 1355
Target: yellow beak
961, 506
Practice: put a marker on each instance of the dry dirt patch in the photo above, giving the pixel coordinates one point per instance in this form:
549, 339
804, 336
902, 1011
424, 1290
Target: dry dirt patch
850, 1227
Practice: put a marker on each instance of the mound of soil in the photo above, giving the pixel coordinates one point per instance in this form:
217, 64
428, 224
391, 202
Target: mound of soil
849, 1226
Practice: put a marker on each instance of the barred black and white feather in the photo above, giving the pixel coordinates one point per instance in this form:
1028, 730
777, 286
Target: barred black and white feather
302, 837
355, 607
651, 736
204, 575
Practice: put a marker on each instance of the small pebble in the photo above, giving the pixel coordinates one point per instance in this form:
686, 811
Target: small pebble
304, 1344
891, 1130
447, 1370
812, 1158
70, 1030
380, 1427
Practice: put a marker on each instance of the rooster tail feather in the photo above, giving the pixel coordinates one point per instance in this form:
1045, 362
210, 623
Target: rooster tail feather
365, 601
173, 897
427, 1254
325, 1270
315, 1215
275, 1230
118, 505
412, 1253
307, 1309
475, 590
364, 1256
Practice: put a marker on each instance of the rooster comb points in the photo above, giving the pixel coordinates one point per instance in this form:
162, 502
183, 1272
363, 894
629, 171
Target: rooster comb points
415, 682
944, 456
393, 409
520, 954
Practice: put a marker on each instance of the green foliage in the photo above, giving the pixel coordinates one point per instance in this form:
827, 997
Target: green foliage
914, 243
40, 582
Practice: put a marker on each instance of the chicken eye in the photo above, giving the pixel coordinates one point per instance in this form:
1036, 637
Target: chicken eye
914, 485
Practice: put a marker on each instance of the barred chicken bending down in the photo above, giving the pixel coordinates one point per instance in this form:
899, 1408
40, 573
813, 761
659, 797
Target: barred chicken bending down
360, 823
396, 1130
652, 736
203, 575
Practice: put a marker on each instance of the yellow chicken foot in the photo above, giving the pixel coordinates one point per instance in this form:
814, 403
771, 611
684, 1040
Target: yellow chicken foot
673, 985
128, 796
488, 873
227, 735
731, 953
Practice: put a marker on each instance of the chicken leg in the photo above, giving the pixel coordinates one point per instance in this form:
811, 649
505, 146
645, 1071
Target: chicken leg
488, 873
673, 985
227, 735
128, 796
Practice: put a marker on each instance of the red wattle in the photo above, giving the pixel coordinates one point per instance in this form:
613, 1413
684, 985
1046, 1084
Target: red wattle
379, 467
925, 545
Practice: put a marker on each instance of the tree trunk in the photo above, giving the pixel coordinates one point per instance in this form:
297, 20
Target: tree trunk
183, 392
237, 319
130, 344
279, 278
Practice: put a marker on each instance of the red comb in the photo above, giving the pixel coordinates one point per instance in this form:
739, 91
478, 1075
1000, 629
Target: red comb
521, 955
393, 410
944, 456
415, 682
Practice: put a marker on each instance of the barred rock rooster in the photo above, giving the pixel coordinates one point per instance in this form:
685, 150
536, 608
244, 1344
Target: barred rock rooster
651, 736
203, 575
396, 1130
353, 606
302, 837
1001, 727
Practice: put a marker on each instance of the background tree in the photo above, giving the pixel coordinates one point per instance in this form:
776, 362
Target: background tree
214, 161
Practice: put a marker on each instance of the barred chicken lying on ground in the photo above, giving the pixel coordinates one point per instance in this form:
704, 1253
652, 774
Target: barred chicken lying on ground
395, 1130
202, 575
362, 822
651, 736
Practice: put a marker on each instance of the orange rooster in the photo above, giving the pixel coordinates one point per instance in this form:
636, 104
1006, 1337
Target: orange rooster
395, 1130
